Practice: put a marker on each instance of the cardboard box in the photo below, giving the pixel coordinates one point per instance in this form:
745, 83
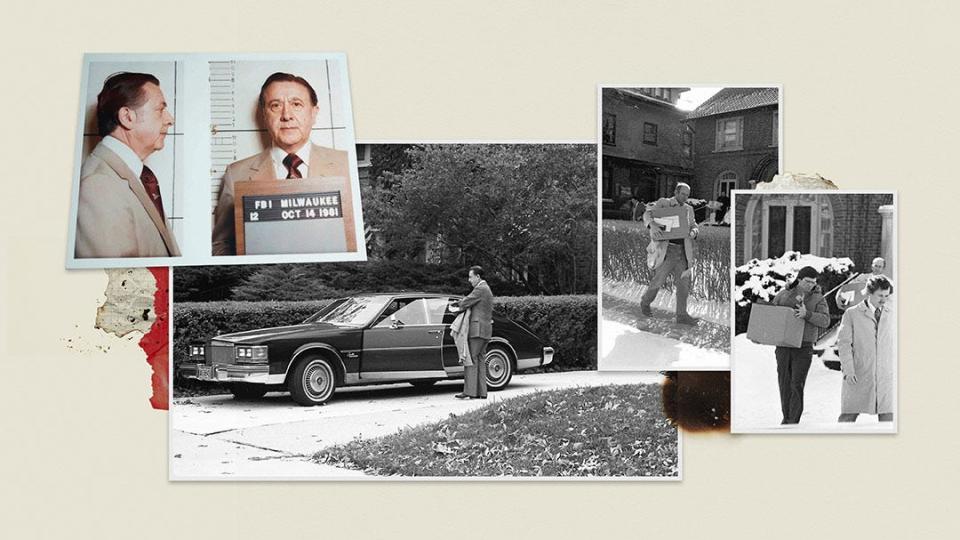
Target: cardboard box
775, 325
673, 219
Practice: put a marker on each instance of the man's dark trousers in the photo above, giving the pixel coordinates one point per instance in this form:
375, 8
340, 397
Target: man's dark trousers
792, 367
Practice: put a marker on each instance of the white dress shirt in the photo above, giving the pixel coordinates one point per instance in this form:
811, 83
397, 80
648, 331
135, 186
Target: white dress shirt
279, 155
125, 153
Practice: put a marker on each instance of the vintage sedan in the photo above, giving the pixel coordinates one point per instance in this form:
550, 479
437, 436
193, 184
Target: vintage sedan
360, 340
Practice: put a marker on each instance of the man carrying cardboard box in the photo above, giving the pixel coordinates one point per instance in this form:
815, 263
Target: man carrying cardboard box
670, 257
793, 363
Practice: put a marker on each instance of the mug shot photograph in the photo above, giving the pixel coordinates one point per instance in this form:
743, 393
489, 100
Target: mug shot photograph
130, 190
464, 347
191, 159
815, 345
670, 158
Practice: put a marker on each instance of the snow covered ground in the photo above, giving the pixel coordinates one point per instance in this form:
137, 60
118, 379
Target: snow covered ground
755, 398
625, 348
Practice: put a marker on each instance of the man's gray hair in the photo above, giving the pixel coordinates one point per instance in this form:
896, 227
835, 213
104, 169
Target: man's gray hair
881, 260
680, 185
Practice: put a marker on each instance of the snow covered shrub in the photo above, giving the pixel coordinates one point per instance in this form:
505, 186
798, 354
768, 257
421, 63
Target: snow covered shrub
763, 279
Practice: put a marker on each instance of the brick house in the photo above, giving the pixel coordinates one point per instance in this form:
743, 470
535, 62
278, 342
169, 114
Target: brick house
647, 147
736, 140
854, 225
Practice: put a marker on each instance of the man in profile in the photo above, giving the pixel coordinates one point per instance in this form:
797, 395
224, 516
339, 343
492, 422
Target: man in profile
120, 208
480, 304
670, 257
288, 110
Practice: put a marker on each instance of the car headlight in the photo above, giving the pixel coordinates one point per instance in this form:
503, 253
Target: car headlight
256, 354
196, 350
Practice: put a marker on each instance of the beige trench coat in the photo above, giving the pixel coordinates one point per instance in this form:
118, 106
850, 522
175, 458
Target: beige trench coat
866, 350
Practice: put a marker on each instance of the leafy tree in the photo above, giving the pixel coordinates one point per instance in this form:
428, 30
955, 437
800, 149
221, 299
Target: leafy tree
526, 212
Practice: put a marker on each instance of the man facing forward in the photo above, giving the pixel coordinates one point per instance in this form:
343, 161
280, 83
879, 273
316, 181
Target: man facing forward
288, 109
120, 208
670, 257
480, 303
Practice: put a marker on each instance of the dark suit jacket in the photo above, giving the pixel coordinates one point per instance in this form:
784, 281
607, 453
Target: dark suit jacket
323, 162
115, 216
480, 302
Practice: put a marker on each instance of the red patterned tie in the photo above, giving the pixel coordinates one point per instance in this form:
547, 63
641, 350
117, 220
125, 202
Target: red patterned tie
292, 161
153, 189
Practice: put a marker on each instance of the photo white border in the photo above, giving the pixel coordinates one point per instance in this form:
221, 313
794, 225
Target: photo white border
798, 429
196, 247
171, 477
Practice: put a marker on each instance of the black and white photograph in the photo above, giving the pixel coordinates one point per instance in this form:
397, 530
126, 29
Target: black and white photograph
189, 159
464, 347
669, 158
815, 337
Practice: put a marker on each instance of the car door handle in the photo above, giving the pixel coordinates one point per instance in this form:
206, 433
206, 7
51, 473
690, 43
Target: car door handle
435, 332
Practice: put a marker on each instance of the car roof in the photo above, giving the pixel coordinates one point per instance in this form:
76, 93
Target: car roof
406, 293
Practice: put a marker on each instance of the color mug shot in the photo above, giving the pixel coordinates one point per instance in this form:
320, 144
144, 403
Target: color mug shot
287, 109
120, 212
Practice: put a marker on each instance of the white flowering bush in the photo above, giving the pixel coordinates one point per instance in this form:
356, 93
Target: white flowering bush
761, 280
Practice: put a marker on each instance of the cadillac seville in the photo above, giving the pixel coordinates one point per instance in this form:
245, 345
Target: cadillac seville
360, 340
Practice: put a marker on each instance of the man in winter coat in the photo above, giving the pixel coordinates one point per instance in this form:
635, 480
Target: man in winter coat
867, 353
670, 257
793, 363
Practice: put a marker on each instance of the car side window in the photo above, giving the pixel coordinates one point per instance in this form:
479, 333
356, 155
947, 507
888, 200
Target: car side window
422, 311
392, 308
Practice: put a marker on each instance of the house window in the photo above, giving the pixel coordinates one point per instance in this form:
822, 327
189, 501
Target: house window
730, 134
609, 128
726, 182
778, 223
776, 128
788, 226
686, 142
649, 133
363, 155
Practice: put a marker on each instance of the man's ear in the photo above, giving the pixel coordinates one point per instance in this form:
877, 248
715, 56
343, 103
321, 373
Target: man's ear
126, 117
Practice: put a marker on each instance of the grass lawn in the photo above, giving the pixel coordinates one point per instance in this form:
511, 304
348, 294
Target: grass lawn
614, 430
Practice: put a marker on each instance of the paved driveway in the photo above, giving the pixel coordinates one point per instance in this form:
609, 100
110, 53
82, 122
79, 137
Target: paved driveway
215, 437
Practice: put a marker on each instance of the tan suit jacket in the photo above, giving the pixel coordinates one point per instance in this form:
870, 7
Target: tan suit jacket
323, 162
480, 303
115, 216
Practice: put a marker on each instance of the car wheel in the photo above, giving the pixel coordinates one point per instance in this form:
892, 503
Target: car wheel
423, 383
312, 381
247, 391
499, 368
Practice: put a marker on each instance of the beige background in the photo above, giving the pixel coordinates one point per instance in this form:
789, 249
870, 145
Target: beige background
870, 94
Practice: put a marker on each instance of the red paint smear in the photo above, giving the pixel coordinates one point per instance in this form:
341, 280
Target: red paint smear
156, 342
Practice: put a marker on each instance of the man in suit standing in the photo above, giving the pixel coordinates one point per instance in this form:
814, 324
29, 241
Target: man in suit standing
480, 303
120, 208
670, 257
288, 109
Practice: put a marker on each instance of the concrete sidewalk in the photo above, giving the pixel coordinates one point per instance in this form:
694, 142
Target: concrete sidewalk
216, 437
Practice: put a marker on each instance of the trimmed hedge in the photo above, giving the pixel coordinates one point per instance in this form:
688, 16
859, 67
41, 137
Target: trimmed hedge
566, 323
625, 258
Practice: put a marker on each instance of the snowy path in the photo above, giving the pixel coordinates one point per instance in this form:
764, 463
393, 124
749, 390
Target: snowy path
625, 348
755, 398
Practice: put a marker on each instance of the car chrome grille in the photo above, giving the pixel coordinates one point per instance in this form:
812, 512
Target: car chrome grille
220, 353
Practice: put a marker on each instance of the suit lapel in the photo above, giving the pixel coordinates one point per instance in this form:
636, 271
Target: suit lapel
136, 186
322, 162
263, 169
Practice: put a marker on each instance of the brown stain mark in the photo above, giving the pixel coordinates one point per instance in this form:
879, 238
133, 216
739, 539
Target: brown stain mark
698, 401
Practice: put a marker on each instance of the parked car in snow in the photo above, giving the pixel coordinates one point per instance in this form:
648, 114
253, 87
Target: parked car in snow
359, 340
